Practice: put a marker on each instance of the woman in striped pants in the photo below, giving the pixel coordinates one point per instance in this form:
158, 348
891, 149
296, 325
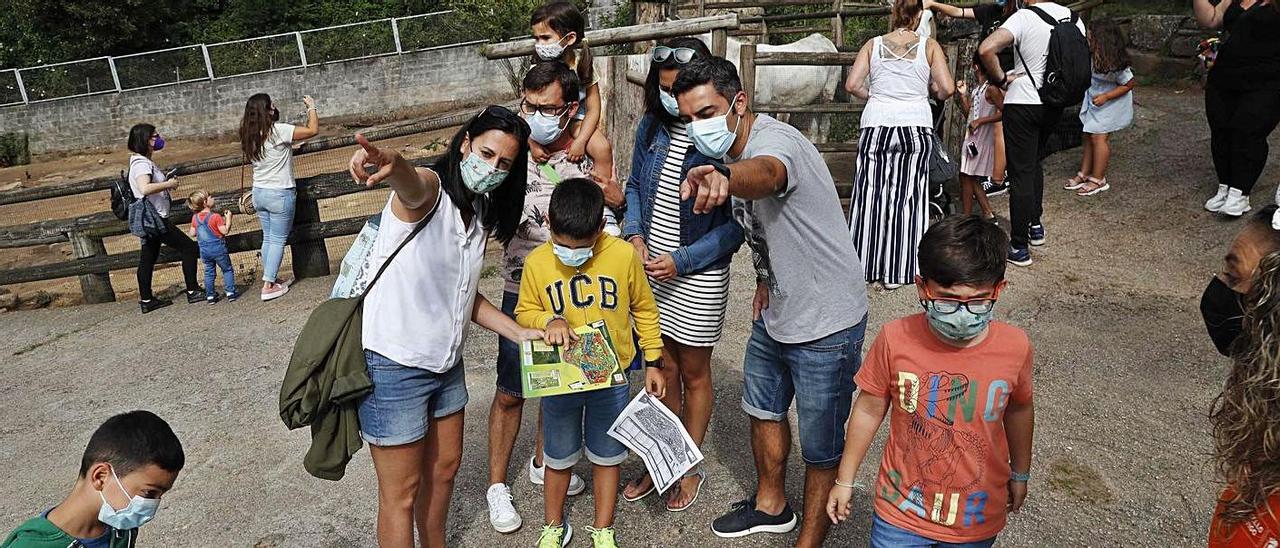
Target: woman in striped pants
894, 73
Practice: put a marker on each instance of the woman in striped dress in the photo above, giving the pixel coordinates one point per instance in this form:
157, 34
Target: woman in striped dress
685, 255
894, 73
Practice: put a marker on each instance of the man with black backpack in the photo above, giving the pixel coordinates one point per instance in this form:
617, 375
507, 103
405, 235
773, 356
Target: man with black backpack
1051, 72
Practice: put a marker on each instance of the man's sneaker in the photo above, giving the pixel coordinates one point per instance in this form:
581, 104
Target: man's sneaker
576, 485
555, 536
994, 188
502, 515
1237, 204
602, 538
1035, 233
153, 305
211, 299
231, 297
1020, 256
196, 296
1218, 200
745, 520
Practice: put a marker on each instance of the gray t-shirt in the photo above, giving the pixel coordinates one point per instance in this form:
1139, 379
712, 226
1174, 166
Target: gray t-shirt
800, 241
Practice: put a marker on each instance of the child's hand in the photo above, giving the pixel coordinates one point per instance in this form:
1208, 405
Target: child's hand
974, 125
538, 152
578, 150
655, 383
1099, 100
1017, 495
838, 503
558, 333
661, 268
226, 213
961, 86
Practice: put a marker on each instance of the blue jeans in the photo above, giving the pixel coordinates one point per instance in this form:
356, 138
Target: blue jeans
275, 208
817, 374
509, 353
404, 399
213, 253
570, 419
886, 535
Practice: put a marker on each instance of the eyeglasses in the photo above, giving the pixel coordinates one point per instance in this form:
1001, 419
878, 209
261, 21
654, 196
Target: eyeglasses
683, 55
529, 109
974, 306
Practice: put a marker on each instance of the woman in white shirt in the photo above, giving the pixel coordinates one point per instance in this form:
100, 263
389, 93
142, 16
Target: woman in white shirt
416, 316
894, 73
149, 183
268, 145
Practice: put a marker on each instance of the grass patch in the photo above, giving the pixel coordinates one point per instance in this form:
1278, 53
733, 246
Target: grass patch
1079, 480
489, 271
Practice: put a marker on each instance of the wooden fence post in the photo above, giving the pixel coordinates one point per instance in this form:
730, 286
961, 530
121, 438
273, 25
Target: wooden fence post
719, 42
310, 259
747, 67
96, 288
837, 24
648, 11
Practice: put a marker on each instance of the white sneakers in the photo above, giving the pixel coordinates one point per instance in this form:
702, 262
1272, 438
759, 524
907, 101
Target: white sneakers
1228, 201
576, 485
502, 514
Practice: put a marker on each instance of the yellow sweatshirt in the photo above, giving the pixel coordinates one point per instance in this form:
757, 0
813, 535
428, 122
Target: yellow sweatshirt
610, 286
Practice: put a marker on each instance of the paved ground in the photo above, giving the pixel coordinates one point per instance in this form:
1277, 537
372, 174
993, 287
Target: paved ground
1124, 377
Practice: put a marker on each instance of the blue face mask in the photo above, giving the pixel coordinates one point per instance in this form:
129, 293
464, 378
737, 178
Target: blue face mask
1001, 3
479, 176
712, 136
544, 129
159, 144
960, 325
669, 102
571, 257
137, 513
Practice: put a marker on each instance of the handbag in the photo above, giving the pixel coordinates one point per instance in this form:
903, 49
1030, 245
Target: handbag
941, 167
246, 198
330, 345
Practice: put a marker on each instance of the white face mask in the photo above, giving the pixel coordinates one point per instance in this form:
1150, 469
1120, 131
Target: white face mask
544, 129
550, 52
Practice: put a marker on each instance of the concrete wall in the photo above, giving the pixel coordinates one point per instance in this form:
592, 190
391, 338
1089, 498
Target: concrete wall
364, 87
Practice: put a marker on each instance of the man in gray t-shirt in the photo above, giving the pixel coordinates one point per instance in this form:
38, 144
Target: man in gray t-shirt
810, 305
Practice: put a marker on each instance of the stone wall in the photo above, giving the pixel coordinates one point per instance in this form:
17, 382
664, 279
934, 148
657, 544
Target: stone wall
1164, 45
366, 87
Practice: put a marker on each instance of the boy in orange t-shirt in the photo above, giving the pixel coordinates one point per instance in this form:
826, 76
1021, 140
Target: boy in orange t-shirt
958, 455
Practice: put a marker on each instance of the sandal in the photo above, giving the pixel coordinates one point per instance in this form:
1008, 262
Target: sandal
652, 488
1076, 182
702, 478
1093, 186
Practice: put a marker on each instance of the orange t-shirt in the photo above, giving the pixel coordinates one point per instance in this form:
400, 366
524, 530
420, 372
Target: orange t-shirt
215, 223
945, 470
1263, 531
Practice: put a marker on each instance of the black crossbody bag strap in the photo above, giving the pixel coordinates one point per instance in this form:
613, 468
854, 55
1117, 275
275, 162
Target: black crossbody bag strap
421, 225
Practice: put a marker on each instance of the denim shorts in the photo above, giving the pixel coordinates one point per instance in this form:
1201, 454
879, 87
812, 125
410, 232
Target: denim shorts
568, 419
887, 535
817, 374
509, 353
405, 398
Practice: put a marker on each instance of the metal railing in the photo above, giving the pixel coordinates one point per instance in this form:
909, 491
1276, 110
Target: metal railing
205, 62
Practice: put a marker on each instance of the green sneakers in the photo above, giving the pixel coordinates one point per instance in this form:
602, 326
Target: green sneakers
603, 537
557, 536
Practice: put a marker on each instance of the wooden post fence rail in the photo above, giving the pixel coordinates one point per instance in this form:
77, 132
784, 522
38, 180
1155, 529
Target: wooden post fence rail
624, 35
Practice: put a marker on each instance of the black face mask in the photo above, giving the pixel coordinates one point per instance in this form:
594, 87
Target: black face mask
275, 115
1223, 315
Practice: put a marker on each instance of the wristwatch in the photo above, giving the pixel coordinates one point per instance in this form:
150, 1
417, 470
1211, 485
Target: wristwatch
721, 167
1020, 476
656, 364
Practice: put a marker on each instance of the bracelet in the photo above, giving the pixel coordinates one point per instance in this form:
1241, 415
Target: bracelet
1020, 476
842, 484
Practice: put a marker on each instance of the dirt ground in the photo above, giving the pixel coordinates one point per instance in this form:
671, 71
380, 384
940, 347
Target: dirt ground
1124, 377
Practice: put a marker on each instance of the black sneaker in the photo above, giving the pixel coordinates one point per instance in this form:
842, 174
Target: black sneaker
211, 299
153, 304
231, 297
1036, 234
994, 188
196, 296
745, 520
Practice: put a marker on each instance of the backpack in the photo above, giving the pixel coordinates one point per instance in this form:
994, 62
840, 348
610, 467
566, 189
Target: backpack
121, 196
1068, 64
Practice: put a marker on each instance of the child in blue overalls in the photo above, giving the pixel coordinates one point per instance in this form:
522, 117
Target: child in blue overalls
210, 231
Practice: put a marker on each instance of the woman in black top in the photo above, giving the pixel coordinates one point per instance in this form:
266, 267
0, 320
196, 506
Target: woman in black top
1242, 95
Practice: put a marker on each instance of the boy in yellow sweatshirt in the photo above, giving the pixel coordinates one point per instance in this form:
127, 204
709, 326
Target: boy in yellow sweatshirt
582, 276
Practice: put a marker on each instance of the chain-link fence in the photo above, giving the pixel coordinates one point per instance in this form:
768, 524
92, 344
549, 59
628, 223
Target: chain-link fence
238, 57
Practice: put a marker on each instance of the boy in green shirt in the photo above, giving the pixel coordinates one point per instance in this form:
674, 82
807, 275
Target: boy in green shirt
131, 461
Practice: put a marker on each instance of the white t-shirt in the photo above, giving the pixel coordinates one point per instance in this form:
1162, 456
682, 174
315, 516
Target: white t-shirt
418, 313
1031, 37
141, 165
275, 168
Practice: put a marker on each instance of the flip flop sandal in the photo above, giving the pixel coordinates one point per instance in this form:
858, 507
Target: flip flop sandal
652, 488
702, 478
1076, 182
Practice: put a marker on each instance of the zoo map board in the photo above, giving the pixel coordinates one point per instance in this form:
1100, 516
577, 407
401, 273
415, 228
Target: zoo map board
589, 363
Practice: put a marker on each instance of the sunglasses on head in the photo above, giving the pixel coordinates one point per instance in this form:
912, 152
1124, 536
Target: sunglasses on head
683, 55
